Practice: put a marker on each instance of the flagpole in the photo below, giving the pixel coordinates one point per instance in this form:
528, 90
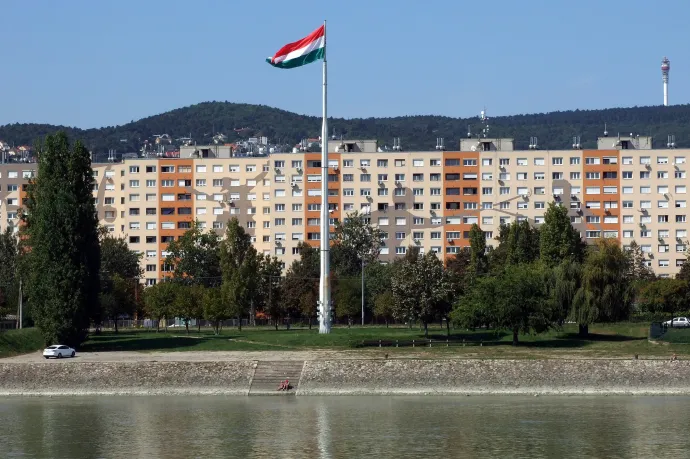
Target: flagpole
324, 284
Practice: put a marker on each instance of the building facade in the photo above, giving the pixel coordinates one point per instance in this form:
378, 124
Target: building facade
623, 190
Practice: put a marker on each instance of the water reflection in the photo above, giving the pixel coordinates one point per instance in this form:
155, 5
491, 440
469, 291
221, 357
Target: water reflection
344, 427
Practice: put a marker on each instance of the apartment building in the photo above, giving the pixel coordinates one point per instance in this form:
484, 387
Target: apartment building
430, 199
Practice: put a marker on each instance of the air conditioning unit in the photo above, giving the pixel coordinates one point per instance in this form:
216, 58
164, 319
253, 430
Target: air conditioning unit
416, 241
573, 196
642, 225
278, 241
299, 170
381, 184
277, 170
525, 196
293, 184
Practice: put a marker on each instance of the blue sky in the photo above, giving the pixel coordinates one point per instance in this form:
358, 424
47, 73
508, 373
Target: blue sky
93, 63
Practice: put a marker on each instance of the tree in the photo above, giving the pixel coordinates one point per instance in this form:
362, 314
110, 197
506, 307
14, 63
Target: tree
355, 237
384, 306
347, 296
188, 303
566, 279
118, 299
159, 301
664, 297
605, 294
120, 273
478, 260
516, 301
684, 273
420, 287
377, 280
215, 309
240, 268
62, 236
269, 295
9, 274
195, 257
522, 243
638, 271
301, 285
558, 240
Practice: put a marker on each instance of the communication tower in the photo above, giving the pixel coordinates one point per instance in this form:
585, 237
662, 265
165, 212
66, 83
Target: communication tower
665, 69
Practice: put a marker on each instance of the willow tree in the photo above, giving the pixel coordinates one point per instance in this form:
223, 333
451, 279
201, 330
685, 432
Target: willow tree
606, 293
62, 238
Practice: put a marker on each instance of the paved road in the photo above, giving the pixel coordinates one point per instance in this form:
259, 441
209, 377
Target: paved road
199, 356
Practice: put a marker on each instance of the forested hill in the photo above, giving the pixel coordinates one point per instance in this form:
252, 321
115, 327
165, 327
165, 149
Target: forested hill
238, 121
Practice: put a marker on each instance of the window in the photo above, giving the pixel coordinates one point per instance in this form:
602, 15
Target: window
400, 235
593, 160
417, 163
557, 175
680, 189
592, 190
504, 162
539, 162
134, 183
522, 161
574, 160
557, 161
645, 189
538, 176
662, 160
627, 233
400, 221
469, 162
487, 161
574, 176
592, 176
627, 175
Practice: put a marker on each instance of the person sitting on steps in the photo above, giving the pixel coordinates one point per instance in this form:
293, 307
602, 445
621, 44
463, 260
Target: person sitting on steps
284, 385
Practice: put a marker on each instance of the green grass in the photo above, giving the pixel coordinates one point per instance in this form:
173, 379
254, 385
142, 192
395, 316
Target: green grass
14, 342
676, 336
606, 340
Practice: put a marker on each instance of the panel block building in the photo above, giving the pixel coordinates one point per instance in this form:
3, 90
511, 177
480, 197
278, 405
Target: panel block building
624, 189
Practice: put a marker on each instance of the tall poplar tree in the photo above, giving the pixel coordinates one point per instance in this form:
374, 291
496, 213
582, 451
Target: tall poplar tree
62, 240
239, 264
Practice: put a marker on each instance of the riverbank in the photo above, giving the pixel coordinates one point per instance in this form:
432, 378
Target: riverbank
352, 377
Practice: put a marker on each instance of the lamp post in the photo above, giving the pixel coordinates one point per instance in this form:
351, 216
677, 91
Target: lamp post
362, 291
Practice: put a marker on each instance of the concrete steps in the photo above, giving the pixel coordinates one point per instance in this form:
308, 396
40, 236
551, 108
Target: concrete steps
268, 376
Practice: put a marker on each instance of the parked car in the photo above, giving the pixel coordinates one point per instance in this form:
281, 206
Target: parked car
58, 351
678, 322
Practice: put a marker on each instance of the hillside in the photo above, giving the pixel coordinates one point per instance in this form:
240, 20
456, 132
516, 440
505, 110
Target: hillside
554, 130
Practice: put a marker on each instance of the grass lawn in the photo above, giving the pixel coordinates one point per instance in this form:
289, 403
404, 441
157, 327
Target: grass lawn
676, 336
606, 340
15, 342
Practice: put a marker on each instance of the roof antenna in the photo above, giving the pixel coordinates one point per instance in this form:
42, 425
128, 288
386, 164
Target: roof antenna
606, 133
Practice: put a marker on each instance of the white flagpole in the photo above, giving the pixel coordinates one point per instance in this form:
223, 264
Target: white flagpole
324, 283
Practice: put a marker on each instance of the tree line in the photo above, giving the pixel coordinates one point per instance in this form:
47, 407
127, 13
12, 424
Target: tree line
554, 130
76, 275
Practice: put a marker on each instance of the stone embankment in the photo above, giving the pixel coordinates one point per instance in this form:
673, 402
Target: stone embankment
350, 377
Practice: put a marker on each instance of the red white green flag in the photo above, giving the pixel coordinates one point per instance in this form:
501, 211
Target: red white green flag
302, 52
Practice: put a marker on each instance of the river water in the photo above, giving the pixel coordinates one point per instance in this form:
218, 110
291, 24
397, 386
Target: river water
345, 427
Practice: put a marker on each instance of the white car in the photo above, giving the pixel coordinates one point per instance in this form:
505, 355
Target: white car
58, 351
681, 322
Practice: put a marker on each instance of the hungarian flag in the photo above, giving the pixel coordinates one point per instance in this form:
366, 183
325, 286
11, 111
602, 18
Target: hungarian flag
304, 51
